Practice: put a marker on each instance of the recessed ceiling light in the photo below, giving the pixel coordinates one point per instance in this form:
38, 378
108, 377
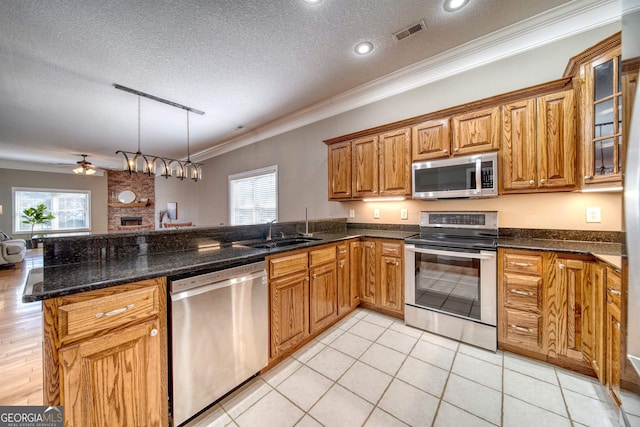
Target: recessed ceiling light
452, 5
364, 48
313, 1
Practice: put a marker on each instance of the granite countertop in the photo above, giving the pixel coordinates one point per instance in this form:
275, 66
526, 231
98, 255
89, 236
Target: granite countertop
605, 251
55, 281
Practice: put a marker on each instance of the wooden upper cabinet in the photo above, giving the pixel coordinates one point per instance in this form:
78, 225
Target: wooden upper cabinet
431, 140
518, 151
340, 171
602, 118
395, 163
476, 131
556, 140
364, 174
371, 166
538, 150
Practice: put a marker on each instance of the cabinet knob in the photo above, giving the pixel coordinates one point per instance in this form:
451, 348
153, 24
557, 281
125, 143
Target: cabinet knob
153, 332
445, 151
587, 177
562, 266
306, 279
618, 325
532, 182
456, 149
542, 181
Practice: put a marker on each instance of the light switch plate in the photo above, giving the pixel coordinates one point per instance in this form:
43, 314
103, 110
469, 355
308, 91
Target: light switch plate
404, 213
376, 213
594, 215
352, 213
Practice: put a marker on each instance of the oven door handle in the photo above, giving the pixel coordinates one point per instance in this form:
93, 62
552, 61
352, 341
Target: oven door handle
480, 255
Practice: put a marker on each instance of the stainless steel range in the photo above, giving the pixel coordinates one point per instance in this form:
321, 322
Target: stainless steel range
451, 278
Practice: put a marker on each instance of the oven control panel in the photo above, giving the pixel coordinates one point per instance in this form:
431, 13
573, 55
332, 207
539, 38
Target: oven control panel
486, 219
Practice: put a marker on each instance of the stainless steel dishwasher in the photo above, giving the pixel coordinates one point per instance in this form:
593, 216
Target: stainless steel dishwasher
219, 335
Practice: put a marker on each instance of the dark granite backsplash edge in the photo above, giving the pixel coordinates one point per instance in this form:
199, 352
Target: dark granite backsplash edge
574, 235
65, 250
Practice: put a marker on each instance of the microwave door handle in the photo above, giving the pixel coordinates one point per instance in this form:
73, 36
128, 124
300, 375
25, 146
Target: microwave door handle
479, 175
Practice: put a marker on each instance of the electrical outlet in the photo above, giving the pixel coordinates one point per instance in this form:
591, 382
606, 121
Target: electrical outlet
352, 213
404, 213
376, 213
594, 215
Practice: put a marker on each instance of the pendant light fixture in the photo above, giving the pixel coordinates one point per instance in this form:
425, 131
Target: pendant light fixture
163, 166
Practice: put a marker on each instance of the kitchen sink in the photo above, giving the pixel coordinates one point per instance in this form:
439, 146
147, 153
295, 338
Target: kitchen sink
281, 243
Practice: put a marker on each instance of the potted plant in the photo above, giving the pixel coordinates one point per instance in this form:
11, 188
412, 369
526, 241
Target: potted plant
36, 216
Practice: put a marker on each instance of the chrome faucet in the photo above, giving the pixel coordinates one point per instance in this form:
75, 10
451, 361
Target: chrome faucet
270, 223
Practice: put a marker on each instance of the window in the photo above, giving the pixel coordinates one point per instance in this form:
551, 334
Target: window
71, 209
253, 196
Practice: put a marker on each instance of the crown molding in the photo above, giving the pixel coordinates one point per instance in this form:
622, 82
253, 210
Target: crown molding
556, 24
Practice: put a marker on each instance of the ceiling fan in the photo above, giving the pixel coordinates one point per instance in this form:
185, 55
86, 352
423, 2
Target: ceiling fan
81, 167
84, 167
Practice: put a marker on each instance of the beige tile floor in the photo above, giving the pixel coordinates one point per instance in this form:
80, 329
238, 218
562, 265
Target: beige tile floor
372, 370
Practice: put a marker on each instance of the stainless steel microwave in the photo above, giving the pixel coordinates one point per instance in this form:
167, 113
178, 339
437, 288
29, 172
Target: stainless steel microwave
458, 177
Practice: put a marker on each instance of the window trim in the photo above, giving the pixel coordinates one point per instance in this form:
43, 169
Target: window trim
48, 190
248, 174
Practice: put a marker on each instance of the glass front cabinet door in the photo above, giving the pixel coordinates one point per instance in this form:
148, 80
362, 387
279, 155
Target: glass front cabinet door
603, 150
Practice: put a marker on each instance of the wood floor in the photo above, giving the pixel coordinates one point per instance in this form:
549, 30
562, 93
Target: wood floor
20, 337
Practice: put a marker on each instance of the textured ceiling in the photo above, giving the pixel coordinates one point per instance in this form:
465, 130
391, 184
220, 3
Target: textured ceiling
245, 63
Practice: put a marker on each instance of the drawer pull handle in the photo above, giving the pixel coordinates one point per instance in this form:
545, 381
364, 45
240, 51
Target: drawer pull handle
515, 291
153, 332
343, 252
614, 292
522, 264
114, 312
618, 325
521, 329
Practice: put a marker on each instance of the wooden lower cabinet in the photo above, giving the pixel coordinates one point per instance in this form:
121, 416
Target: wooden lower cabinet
363, 269
109, 380
562, 308
323, 297
597, 276
289, 314
105, 355
308, 291
348, 296
391, 284
614, 333
377, 266
521, 297
571, 321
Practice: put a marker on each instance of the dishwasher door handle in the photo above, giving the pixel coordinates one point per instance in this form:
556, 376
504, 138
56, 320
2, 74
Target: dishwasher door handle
218, 285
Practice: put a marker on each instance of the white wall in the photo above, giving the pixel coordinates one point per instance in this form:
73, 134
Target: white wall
302, 156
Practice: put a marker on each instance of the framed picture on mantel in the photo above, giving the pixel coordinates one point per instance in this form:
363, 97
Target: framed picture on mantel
172, 210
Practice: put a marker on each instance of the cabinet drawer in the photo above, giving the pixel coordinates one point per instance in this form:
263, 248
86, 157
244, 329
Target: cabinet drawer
343, 250
90, 315
523, 328
523, 292
391, 249
522, 263
321, 256
281, 266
